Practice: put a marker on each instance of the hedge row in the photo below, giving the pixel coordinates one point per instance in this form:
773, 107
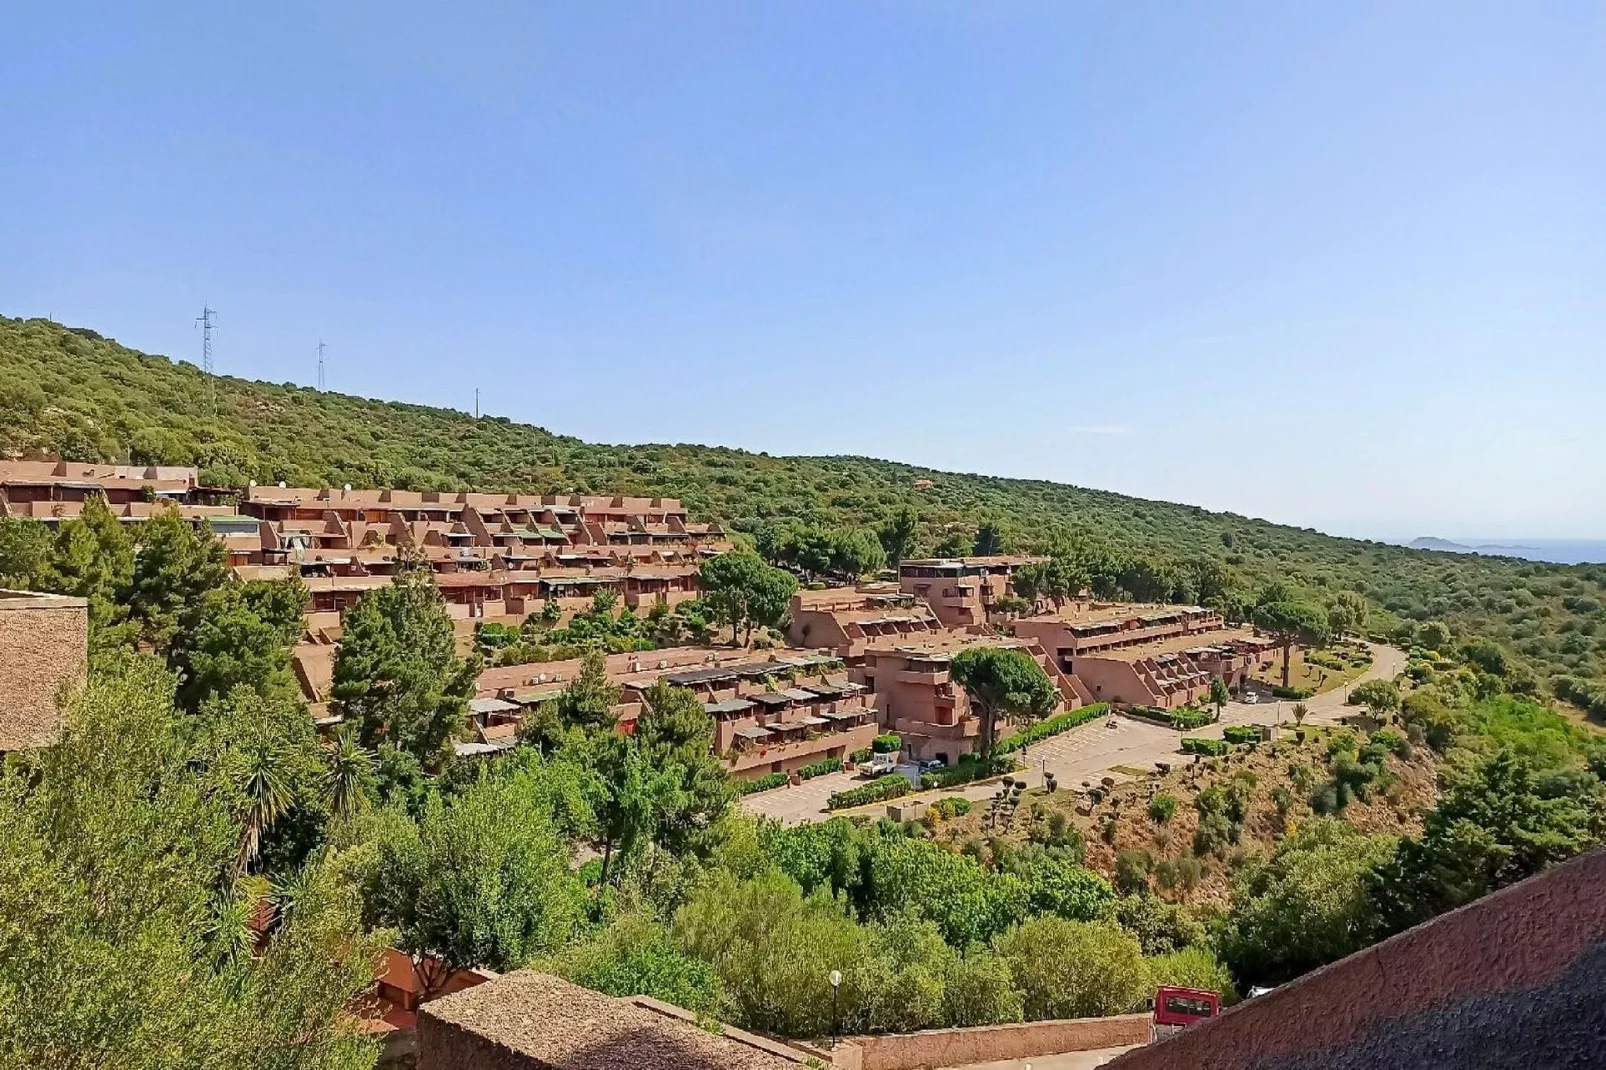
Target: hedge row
763, 783
859, 757
1051, 727
1242, 733
886, 744
1199, 745
1182, 719
1295, 693
881, 789
820, 768
967, 769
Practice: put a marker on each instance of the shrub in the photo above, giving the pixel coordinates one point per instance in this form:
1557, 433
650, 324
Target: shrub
1070, 969
1242, 733
1392, 741
1162, 807
1132, 869
953, 806
881, 789
886, 744
1294, 693
861, 756
1193, 967
1199, 745
763, 783
820, 768
1181, 719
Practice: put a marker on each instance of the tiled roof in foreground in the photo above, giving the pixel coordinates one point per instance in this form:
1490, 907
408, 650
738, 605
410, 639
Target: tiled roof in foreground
533, 1021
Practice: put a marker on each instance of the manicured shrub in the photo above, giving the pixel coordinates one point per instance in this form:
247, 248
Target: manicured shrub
881, 789
820, 768
1242, 733
861, 756
886, 744
969, 768
1294, 693
763, 783
1161, 808
1199, 745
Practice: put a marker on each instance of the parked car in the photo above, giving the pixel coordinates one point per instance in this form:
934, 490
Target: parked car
879, 765
932, 763
1250, 698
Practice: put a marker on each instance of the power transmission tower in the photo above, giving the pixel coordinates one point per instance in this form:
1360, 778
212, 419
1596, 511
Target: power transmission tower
204, 321
320, 364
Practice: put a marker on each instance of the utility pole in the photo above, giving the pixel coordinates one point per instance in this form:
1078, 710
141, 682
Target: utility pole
204, 321
320, 365
476, 403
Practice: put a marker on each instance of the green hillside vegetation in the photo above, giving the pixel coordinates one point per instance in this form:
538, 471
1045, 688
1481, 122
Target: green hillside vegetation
72, 392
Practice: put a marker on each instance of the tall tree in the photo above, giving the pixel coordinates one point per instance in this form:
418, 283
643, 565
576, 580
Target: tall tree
240, 636
691, 789
856, 552
93, 558
397, 674
989, 540
1003, 682
177, 565
1290, 623
741, 590
898, 533
1347, 613
1218, 694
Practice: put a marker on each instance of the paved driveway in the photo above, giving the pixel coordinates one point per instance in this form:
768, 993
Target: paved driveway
805, 802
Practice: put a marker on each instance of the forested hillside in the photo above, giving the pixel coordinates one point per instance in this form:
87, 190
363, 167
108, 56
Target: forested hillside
72, 392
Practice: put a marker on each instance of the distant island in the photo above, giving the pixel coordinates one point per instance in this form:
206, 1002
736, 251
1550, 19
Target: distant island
1429, 542
1557, 551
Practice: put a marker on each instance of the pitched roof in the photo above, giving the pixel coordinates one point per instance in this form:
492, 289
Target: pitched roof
534, 1020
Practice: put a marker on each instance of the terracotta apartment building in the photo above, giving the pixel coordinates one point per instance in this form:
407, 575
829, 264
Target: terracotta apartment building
919, 700
846, 620
1146, 655
961, 591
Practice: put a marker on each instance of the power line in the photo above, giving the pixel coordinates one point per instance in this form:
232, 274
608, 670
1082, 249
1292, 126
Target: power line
320, 364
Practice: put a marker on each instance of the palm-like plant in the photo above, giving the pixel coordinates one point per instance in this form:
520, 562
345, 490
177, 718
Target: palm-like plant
1299, 711
350, 779
264, 781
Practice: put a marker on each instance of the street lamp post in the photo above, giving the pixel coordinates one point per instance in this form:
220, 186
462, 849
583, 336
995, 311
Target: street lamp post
836, 985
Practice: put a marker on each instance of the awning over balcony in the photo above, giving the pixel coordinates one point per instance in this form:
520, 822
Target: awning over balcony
753, 732
729, 705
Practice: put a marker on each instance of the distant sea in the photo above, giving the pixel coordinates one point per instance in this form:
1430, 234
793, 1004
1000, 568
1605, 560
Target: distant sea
1560, 551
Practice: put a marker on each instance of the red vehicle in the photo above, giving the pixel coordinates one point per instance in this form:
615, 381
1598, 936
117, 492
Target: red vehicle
1176, 1009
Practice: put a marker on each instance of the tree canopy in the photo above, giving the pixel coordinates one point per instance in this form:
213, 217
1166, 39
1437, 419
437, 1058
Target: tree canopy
1003, 682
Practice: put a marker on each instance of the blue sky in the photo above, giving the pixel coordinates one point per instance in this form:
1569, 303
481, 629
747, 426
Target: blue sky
1337, 265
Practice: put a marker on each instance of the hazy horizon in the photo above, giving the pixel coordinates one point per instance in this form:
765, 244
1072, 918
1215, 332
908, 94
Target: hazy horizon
1336, 268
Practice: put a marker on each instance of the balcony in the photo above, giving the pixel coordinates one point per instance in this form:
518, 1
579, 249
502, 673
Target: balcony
930, 678
969, 728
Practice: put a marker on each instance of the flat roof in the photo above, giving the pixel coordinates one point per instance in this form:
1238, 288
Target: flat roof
1176, 644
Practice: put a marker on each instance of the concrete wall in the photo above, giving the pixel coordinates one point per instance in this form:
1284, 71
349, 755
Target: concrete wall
1514, 980
44, 646
992, 1043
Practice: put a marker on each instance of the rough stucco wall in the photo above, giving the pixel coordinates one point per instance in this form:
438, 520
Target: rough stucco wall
42, 647
1514, 980
956, 1047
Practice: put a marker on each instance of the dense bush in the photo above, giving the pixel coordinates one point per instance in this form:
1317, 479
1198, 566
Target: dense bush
1295, 694
1162, 807
887, 744
1241, 733
1200, 745
1182, 718
969, 768
891, 786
